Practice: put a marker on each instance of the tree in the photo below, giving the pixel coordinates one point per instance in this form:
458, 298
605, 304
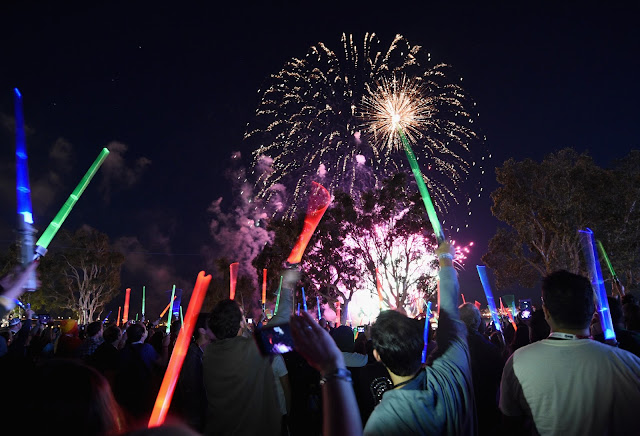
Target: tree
82, 273
545, 204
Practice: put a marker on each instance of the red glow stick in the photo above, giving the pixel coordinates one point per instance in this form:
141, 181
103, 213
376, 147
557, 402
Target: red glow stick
118, 320
338, 314
319, 201
233, 276
165, 395
463, 300
264, 287
379, 287
167, 308
477, 304
125, 316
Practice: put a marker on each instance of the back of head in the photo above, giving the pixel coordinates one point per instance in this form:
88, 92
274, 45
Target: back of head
94, 328
631, 317
85, 400
112, 333
470, 315
201, 323
225, 319
568, 298
135, 332
343, 336
538, 327
399, 342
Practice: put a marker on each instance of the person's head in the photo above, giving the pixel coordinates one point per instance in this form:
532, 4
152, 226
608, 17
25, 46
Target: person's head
470, 315
94, 329
615, 308
112, 334
84, 400
201, 331
343, 337
136, 333
15, 324
538, 327
69, 327
398, 342
631, 316
226, 319
567, 300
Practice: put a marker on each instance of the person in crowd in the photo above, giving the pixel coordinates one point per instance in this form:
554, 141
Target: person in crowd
283, 389
486, 370
139, 374
538, 327
66, 396
570, 384
190, 398
19, 332
239, 381
106, 358
626, 339
69, 340
93, 340
520, 337
437, 399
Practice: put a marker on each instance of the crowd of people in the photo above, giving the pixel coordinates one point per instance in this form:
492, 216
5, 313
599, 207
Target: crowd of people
553, 373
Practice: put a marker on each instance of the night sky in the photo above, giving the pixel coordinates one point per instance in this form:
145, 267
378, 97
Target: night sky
174, 86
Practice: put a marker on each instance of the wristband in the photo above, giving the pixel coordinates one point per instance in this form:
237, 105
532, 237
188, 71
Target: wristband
337, 374
445, 256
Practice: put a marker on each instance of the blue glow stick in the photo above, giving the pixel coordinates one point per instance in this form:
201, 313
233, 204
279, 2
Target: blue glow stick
106, 317
426, 332
304, 300
298, 313
318, 306
482, 272
173, 294
597, 283
22, 169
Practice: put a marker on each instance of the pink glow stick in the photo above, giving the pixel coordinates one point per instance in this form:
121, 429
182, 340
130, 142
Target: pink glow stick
233, 279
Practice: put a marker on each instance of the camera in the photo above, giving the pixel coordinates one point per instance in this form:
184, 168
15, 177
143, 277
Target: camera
360, 329
274, 339
44, 318
525, 309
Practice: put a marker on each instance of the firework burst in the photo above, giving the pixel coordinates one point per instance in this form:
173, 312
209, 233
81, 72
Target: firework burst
325, 118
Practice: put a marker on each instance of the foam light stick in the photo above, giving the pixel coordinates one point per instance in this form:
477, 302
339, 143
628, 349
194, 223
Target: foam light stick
23, 194
595, 275
319, 201
298, 312
482, 272
264, 288
511, 320
167, 388
173, 297
233, 278
54, 226
422, 187
143, 299
304, 300
463, 300
181, 318
275, 310
603, 253
318, 306
118, 319
125, 316
425, 335
136, 316
337, 314
379, 288
166, 308
106, 317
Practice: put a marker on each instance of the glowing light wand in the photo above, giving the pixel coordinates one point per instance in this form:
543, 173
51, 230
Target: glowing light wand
425, 335
422, 187
125, 318
165, 394
482, 272
603, 253
319, 201
143, 298
595, 275
54, 226
23, 194
275, 310
173, 297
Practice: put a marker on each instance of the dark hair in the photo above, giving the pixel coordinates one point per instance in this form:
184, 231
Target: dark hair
135, 333
615, 309
569, 299
631, 316
93, 328
85, 402
538, 327
201, 323
112, 333
399, 342
225, 319
343, 337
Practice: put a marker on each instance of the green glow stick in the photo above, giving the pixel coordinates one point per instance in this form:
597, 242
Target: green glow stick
143, 295
606, 260
278, 298
54, 226
181, 318
424, 192
173, 293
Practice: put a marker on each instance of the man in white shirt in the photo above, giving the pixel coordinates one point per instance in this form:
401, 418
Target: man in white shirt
569, 384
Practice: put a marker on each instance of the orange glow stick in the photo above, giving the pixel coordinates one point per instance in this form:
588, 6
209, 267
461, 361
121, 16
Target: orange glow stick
264, 287
319, 201
464, 301
379, 287
233, 275
118, 320
167, 308
165, 395
338, 314
125, 316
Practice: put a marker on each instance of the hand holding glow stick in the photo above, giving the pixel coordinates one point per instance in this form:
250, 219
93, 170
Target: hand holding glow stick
165, 395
